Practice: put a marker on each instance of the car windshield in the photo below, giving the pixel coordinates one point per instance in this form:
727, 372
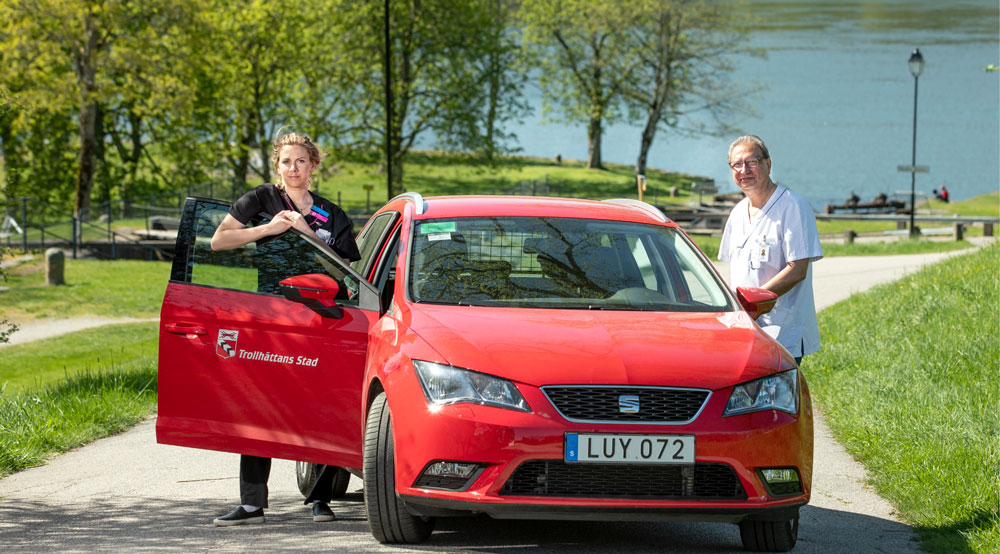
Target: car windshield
544, 262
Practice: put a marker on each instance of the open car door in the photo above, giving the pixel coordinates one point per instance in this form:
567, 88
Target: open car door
262, 348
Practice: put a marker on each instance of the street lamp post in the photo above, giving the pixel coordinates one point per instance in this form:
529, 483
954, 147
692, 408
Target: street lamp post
916, 67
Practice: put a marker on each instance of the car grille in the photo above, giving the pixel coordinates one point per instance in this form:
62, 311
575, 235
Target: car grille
708, 481
656, 405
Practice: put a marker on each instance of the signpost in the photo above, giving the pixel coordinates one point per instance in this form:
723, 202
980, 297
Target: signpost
913, 170
368, 197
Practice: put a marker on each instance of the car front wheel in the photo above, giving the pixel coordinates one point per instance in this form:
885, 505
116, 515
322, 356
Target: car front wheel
388, 518
769, 536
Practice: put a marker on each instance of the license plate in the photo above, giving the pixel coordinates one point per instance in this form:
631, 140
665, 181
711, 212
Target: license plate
632, 449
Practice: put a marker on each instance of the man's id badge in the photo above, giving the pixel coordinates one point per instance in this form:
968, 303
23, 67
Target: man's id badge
760, 254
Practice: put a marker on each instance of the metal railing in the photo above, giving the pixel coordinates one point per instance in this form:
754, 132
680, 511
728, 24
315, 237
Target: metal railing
41, 226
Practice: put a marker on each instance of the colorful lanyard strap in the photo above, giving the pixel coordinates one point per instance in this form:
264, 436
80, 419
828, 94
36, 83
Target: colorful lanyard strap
319, 215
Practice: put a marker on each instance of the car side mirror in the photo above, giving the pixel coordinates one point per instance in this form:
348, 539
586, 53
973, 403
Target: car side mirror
314, 290
756, 301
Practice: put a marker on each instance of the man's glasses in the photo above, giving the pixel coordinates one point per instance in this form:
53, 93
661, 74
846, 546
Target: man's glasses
750, 164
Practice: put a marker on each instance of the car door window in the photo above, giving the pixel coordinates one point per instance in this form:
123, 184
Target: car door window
258, 266
370, 241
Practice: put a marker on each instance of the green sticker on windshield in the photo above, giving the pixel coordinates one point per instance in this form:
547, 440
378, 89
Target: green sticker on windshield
437, 227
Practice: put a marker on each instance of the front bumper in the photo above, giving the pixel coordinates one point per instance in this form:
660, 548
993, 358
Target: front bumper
433, 507
509, 443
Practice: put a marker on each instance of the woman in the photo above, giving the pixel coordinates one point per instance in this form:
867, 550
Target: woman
294, 157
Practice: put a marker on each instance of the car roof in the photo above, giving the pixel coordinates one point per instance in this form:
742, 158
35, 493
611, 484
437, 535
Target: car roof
437, 207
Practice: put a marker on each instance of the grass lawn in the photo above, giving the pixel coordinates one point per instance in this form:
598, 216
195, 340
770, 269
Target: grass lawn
39, 363
122, 288
433, 174
36, 423
710, 246
907, 378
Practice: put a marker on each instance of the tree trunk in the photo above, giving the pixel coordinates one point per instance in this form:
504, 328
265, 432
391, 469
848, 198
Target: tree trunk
85, 159
135, 124
648, 133
594, 144
12, 171
242, 165
86, 69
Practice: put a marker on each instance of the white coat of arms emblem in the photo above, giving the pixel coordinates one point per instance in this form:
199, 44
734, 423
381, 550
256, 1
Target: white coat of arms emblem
226, 345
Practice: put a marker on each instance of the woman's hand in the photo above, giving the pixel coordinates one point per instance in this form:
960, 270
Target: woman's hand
281, 222
297, 220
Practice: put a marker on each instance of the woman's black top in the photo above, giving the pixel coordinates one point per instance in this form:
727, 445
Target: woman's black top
326, 219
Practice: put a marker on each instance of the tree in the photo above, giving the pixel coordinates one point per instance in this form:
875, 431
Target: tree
96, 62
583, 58
451, 74
686, 52
73, 35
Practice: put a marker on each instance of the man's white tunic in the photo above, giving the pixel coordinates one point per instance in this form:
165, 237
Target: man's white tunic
783, 231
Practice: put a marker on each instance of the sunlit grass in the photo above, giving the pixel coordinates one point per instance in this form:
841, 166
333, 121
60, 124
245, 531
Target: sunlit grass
433, 173
121, 288
41, 421
907, 378
46, 361
710, 245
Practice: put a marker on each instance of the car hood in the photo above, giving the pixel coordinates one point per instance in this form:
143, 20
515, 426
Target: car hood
545, 346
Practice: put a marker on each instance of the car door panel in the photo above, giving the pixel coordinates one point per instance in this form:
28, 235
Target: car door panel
255, 373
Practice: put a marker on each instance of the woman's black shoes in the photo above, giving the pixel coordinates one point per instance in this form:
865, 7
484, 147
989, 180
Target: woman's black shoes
239, 516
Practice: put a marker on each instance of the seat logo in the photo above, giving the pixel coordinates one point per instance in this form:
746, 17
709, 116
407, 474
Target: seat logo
226, 345
628, 403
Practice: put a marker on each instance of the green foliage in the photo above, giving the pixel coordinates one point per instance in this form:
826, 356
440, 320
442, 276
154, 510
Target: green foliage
907, 379
684, 54
89, 83
584, 61
55, 418
455, 73
654, 62
162, 95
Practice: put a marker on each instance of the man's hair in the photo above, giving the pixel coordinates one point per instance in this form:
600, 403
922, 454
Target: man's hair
750, 139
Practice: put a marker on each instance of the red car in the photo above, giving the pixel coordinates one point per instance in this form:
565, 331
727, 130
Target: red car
519, 357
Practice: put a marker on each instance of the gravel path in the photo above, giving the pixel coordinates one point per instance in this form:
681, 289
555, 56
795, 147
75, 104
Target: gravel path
44, 328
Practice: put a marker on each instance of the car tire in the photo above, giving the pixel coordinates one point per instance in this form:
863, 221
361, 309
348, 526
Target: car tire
388, 518
769, 536
306, 474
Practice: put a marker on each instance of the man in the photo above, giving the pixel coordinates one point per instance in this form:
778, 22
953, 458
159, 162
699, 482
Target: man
769, 240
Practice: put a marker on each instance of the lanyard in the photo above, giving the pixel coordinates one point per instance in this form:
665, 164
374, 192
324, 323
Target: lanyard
760, 217
317, 214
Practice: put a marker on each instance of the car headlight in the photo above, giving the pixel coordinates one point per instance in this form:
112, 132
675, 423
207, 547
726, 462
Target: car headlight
445, 384
775, 392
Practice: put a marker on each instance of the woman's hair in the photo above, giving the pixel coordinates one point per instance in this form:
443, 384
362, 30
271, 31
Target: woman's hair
295, 139
750, 139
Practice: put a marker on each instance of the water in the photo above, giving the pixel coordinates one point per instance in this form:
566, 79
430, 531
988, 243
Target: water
838, 115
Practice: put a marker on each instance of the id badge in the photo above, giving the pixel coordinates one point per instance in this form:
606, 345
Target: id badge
760, 255
325, 236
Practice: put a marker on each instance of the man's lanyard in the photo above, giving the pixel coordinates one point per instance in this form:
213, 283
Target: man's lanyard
760, 217
761, 251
